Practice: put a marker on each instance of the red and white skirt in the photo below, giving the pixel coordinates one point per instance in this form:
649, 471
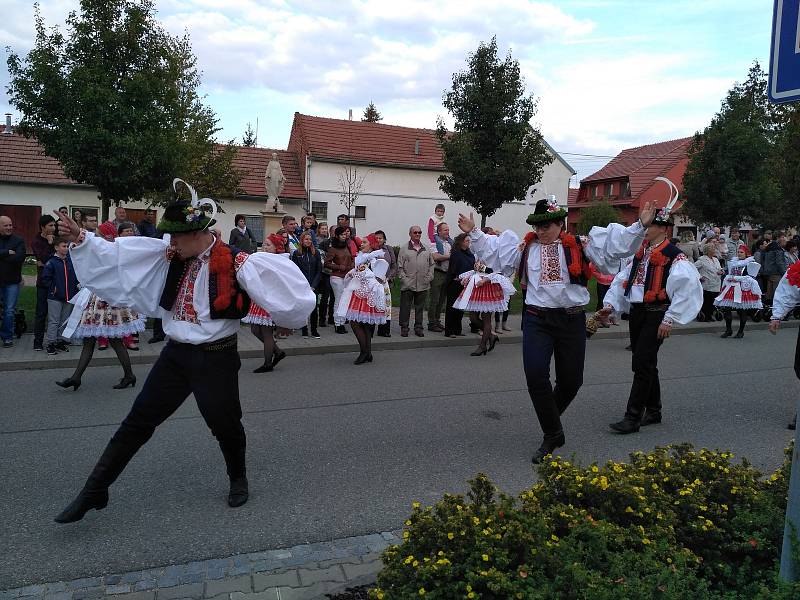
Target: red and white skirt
258, 316
742, 293
99, 319
492, 296
363, 299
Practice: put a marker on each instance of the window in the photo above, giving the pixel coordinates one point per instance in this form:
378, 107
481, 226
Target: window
609, 190
256, 225
321, 210
360, 212
626, 189
594, 191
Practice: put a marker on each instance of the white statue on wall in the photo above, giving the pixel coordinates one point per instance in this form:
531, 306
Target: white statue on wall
274, 182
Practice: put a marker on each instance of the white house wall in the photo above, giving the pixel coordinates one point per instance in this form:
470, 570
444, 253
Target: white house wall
396, 199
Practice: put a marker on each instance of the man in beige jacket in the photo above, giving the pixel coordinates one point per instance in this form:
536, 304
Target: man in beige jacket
415, 269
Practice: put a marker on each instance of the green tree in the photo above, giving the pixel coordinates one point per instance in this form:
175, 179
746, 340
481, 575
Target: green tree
599, 213
786, 164
494, 154
371, 114
730, 176
115, 101
249, 137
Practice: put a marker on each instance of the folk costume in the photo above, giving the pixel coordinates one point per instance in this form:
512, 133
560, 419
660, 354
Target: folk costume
740, 292
785, 300
201, 300
659, 286
261, 323
554, 278
363, 301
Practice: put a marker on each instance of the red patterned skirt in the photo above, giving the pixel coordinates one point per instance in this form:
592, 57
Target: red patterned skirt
487, 298
258, 316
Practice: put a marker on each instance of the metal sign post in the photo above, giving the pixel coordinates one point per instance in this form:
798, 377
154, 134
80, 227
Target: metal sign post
784, 62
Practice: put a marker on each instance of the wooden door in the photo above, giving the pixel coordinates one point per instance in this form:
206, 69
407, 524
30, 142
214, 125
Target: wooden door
25, 219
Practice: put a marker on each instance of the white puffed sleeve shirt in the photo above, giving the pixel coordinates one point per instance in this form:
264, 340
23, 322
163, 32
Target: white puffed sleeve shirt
683, 288
132, 272
786, 298
548, 282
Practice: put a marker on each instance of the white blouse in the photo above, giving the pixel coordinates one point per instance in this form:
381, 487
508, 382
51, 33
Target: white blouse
132, 271
548, 283
683, 289
787, 297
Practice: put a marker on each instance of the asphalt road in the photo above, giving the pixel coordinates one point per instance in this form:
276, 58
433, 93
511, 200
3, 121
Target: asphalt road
337, 450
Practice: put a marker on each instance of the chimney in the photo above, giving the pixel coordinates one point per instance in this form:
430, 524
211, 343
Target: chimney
350, 114
9, 130
416, 147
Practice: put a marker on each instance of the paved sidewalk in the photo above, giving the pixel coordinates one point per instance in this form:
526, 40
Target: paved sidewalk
22, 356
304, 572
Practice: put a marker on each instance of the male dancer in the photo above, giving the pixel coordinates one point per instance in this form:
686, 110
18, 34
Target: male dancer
787, 297
553, 268
201, 288
658, 288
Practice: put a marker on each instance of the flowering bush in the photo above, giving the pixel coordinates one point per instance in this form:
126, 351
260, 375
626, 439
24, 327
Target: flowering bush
674, 523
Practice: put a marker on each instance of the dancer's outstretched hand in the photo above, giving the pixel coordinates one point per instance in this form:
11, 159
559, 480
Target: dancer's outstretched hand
647, 214
466, 224
774, 325
67, 228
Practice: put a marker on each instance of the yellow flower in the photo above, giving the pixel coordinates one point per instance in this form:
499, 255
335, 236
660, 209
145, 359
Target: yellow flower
645, 541
476, 520
471, 595
415, 505
458, 507
469, 588
415, 564
628, 509
405, 535
603, 482
379, 595
440, 553
485, 557
450, 535
595, 469
407, 523
409, 559
617, 468
421, 591
554, 537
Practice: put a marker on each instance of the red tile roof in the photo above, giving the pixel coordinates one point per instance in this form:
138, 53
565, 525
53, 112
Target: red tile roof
643, 163
572, 196
360, 142
22, 161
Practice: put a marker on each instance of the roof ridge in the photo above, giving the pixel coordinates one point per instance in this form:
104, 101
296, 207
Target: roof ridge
366, 123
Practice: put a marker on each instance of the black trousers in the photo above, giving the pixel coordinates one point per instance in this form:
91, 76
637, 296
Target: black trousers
326, 299
181, 369
602, 290
646, 388
452, 316
40, 323
797, 356
547, 335
708, 304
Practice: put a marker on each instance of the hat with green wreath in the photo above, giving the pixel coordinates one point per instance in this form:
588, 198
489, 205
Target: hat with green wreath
546, 211
185, 216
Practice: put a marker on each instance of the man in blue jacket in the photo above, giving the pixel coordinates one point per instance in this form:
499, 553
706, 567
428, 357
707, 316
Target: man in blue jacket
62, 285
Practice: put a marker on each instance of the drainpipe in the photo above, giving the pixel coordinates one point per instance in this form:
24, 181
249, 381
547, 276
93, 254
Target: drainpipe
308, 181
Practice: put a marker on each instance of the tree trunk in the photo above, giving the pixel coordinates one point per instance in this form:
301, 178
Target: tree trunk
483, 221
105, 204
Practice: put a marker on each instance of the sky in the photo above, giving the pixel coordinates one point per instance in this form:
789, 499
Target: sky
609, 74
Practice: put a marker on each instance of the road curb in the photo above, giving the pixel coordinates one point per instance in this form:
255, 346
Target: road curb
513, 337
303, 571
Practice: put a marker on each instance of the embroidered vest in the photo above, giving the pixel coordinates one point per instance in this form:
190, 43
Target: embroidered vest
227, 300
578, 275
655, 281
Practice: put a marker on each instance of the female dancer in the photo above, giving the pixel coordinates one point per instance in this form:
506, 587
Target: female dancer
363, 300
92, 319
740, 291
261, 323
484, 293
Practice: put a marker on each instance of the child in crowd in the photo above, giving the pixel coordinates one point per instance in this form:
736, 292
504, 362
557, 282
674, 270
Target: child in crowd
62, 284
433, 222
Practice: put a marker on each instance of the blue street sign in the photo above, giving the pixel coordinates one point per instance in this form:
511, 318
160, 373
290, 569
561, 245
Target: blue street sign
784, 70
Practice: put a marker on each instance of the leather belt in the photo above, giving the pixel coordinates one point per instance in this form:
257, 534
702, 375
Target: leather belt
569, 310
225, 343
650, 307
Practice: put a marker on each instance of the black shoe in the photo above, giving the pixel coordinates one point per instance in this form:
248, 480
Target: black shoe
85, 502
728, 333
340, 329
793, 424
69, 382
265, 368
62, 346
304, 332
739, 335
8, 343
239, 492
315, 334
276, 358
651, 417
38, 347
403, 332
128, 380
549, 444
51, 350
493, 342
479, 352
625, 426
362, 358
156, 338
419, 333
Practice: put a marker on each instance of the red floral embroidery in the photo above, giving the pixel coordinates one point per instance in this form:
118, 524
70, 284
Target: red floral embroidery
184, 305
551, 265
238, 261
793, 275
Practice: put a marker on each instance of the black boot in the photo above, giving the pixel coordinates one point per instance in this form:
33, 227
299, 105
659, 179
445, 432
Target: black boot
239, 492
625, 426
793, 424
94, 494
651, 417
550, 442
